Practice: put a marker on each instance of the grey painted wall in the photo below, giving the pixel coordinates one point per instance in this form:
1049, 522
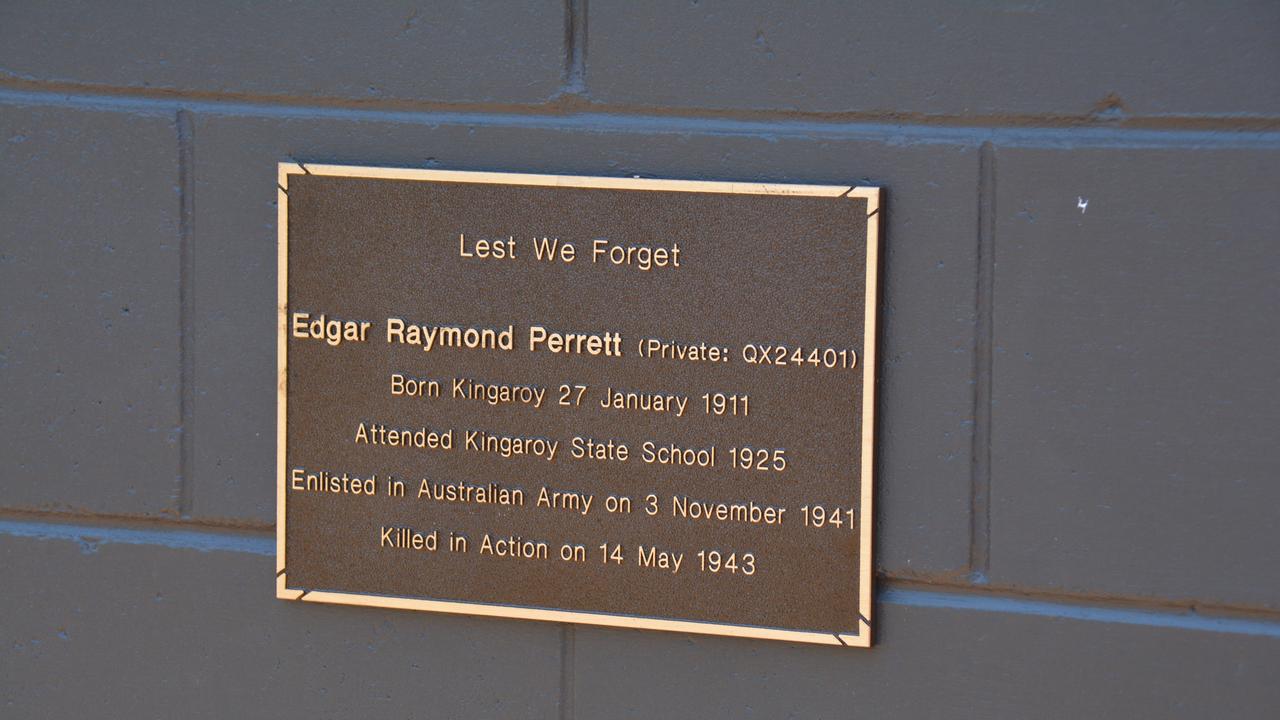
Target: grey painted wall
1079, 485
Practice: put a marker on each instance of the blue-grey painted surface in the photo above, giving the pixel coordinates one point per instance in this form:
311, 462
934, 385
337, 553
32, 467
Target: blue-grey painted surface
1076, 485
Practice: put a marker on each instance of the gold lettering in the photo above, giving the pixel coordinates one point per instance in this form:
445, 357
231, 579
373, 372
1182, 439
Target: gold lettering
642, 257
484, 249
607, 343
331, 330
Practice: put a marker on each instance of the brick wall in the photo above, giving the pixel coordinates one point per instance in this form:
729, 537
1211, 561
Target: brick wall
1079, 470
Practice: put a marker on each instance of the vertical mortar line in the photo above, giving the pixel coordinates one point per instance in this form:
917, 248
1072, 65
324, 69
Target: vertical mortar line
186, 401
575, 46
980, 478
567, 642
566, 73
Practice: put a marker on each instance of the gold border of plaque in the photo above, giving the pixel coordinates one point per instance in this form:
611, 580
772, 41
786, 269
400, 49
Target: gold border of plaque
870, 194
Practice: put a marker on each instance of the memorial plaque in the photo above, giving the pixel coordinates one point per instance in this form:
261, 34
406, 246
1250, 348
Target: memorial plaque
626, 402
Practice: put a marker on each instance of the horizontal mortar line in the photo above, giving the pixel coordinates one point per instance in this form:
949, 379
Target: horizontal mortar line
203, 541
951, 584
1143, 603
166, 519
1089, 613
565, 102
586, 120
978, 600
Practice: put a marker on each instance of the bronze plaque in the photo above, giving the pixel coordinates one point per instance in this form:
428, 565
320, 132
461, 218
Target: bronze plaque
638, 403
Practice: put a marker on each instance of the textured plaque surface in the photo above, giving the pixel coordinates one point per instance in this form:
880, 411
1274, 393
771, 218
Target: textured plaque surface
642, 403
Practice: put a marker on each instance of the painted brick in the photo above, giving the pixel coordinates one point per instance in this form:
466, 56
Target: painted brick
932, 662
1134, 416
148, 631
452, 51
938, 58
929, 270
89, 311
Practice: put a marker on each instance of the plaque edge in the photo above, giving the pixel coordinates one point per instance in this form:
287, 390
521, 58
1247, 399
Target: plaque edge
866, 575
